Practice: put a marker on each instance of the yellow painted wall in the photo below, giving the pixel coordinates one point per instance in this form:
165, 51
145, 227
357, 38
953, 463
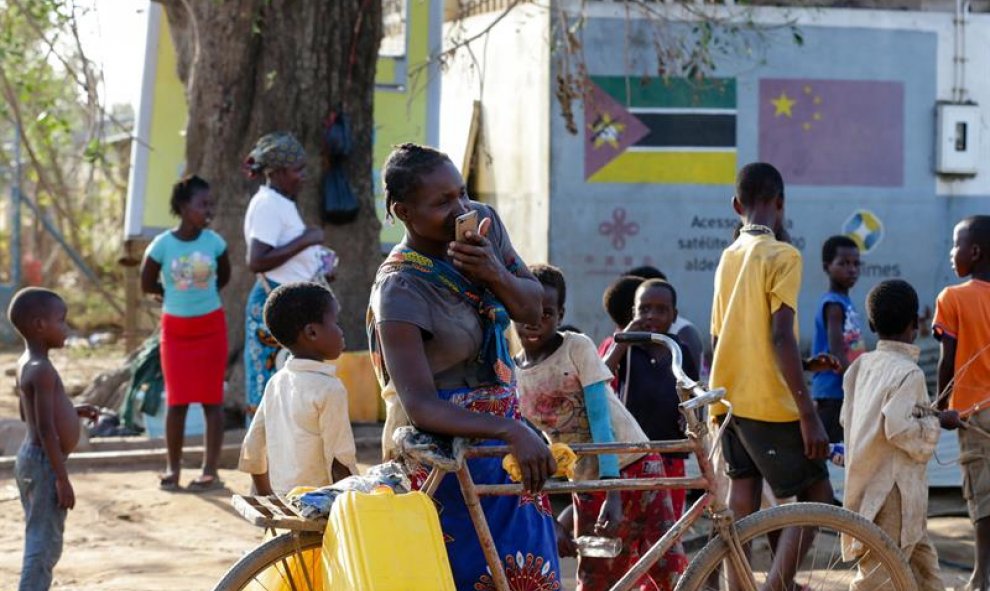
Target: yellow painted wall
167, 138
400, 110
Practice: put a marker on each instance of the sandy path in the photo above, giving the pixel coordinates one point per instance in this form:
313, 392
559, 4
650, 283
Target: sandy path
126, 535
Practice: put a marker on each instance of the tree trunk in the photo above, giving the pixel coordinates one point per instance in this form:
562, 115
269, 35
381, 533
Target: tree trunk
255, 66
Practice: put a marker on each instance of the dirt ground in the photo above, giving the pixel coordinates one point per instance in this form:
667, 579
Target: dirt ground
125, 534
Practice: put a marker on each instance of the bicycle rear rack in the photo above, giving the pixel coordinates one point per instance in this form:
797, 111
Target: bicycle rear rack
274, 513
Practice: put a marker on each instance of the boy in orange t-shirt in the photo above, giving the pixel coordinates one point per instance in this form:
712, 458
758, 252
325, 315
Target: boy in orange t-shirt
962, 325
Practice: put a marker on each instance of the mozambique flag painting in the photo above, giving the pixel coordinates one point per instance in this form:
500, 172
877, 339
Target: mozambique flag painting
660, 130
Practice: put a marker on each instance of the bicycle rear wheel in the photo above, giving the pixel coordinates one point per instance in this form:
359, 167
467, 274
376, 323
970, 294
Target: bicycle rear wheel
821, 569
283, 563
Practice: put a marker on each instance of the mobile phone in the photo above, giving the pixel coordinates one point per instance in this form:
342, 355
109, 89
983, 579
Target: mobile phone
464, 224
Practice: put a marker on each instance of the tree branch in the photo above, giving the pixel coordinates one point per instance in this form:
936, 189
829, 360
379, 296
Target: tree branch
15, 109
465, 42
89, 88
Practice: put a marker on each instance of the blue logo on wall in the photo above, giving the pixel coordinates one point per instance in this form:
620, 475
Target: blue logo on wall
865, 228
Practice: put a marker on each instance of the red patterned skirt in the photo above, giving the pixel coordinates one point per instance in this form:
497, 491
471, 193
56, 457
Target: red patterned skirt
646, 516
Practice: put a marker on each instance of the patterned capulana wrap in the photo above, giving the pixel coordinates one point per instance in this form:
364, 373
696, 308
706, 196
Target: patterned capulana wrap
273, 151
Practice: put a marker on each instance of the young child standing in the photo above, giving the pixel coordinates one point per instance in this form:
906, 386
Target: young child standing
685, 330
962, 326
564, 390
647, 385
890, 436
46, 493
301, 434
618, 301
188, 266
838, 329
756, 358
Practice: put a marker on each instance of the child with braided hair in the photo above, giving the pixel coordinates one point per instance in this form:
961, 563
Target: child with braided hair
564, 390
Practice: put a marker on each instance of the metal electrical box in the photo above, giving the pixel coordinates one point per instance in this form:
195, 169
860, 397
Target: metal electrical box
957, 138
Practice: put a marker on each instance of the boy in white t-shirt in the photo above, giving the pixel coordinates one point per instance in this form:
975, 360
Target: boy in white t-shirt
564, 390
301, 434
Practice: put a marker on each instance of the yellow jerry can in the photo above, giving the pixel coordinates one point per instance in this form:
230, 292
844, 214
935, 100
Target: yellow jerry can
385, 542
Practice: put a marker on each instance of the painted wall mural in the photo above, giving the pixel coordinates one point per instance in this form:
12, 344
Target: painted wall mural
847, 117
833, 132
655, 130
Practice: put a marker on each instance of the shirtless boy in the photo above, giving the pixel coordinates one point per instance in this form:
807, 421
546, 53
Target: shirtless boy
53, 432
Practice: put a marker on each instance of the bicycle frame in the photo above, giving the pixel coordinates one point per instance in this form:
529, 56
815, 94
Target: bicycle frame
724, 556
693, 396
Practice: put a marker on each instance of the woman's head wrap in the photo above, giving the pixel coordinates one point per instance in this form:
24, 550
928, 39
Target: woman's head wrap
273, 151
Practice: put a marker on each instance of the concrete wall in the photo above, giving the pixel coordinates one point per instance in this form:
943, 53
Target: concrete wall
682, 227
507, 71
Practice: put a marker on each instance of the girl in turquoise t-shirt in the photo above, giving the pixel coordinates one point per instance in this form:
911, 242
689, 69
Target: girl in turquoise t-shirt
187, 266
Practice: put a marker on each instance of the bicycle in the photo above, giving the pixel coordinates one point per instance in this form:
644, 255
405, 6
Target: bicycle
739, 556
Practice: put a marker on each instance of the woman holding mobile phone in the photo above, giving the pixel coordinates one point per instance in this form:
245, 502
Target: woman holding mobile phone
439, 309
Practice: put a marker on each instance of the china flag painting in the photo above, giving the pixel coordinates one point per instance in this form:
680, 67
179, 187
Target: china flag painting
833, 132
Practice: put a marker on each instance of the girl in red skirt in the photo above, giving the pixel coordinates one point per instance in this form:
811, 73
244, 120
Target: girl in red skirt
187, 266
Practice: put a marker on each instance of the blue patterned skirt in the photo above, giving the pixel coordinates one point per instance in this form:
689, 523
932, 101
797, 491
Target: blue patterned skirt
522, 527
260, 347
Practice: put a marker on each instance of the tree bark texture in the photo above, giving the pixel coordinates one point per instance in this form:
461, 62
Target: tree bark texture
251, 67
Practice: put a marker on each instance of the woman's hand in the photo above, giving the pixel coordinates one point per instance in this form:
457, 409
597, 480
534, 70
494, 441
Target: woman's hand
475, 257
312, 236
610, 515
534, 457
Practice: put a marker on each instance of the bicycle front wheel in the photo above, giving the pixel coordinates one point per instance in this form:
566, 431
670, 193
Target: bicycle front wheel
283, 563
818, 528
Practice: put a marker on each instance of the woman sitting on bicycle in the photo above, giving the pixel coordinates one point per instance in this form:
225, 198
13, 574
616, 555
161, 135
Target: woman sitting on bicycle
439, 310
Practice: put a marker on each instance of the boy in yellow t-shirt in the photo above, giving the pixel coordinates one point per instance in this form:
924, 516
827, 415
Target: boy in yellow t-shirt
775, 433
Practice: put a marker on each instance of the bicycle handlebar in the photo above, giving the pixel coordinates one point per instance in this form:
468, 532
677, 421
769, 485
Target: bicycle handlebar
701, 396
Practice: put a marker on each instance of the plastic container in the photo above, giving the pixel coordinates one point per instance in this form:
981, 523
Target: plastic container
837, 453
596, 547
154, 425
385, 542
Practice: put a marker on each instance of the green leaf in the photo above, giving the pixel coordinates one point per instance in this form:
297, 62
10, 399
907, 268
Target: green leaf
94, 151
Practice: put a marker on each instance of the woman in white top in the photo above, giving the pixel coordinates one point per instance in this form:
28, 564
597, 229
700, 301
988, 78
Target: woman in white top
280, 248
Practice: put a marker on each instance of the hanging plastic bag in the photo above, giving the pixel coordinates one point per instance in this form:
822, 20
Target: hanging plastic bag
340, 204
